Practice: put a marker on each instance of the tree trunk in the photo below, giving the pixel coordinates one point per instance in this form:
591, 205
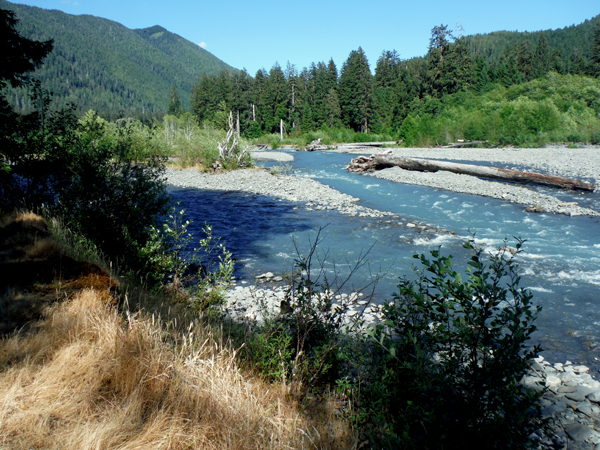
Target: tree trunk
378, 162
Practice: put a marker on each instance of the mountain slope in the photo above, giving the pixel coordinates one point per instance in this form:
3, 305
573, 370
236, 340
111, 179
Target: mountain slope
568, 43
103, 65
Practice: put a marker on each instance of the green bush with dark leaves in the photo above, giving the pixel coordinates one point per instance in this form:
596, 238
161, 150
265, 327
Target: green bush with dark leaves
447, 364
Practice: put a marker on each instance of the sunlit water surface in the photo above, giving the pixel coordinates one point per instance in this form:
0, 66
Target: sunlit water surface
560, 263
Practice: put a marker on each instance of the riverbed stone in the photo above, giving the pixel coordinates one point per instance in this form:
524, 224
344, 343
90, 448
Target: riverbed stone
578, 432
575, 396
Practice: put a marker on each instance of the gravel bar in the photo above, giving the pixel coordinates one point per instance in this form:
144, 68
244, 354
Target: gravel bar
582, 163
288, 187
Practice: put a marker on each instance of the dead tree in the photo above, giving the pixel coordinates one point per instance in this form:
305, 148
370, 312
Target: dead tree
379, 162
229, 148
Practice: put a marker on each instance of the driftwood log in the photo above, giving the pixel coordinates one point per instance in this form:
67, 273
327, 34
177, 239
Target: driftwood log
317, 145
384, 161
314, 146
464, 144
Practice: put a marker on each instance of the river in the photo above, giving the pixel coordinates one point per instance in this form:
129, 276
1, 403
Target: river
560, 263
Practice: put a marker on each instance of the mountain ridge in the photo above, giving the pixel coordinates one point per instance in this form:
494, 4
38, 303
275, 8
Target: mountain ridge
100, 64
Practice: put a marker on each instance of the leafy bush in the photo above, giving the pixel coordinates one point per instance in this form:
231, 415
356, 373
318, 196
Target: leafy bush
451, 356
87, 176
202, 273
312, 327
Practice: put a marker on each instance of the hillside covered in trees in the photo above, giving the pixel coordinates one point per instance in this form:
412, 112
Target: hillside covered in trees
506, 87
102, 65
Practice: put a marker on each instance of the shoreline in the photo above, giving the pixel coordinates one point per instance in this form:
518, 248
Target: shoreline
581, 163
572, 401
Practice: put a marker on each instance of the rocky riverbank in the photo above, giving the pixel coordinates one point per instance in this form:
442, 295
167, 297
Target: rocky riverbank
287, 187
570, 403
581, 163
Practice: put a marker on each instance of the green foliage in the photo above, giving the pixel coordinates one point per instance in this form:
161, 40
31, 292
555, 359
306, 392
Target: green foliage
451, 356
356, 92
595, 57
88, 176
102, 65
281, 169
203, 273
272, 350
21, 55
175, 108
312, 327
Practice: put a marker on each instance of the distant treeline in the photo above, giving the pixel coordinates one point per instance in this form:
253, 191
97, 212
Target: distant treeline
463, 88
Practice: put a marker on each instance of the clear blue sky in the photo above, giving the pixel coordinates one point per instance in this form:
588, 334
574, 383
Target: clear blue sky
256, 34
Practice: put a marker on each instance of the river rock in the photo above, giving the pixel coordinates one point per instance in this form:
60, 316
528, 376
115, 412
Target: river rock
578, 432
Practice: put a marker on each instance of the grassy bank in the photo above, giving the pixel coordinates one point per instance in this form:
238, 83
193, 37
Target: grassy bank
81, 367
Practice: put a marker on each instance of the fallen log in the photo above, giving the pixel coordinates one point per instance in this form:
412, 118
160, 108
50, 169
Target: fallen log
463, 144
379, 162
368, 144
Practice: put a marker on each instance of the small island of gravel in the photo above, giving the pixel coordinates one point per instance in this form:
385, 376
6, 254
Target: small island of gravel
581, 163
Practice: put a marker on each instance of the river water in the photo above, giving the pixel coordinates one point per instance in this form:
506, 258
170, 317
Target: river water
560, 263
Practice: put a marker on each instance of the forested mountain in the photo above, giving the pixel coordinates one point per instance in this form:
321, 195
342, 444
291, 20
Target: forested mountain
569, 45
100, 64
404, 93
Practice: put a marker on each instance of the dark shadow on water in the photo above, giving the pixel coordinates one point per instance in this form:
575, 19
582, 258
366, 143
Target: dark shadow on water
242, 220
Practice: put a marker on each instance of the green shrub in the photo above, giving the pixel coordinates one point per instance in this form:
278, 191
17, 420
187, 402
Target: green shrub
314, 317
451, 356
89, 177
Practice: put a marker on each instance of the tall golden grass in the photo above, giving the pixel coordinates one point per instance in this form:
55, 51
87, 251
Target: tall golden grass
89, 379
88, 376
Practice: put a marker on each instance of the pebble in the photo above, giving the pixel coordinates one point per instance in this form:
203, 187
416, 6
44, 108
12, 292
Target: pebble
569, 401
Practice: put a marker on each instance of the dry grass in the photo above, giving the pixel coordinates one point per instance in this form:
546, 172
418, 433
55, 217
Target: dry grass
88, 379
87, 376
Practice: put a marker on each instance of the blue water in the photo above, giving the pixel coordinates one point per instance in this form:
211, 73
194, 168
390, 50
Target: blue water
560, 264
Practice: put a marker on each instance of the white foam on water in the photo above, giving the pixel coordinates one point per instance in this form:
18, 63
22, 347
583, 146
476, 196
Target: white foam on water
285, 255
574, 276
540, 289
489, 242
440, 239
537, 256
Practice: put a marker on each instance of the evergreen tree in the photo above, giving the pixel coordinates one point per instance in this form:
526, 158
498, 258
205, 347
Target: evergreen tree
356, 92
20, 55
175, 108
275, 107
595, 60
524, 61
449, 66
387, 69
332, 74
507, 73
543, 59
482, 75
335, 112
205, 99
